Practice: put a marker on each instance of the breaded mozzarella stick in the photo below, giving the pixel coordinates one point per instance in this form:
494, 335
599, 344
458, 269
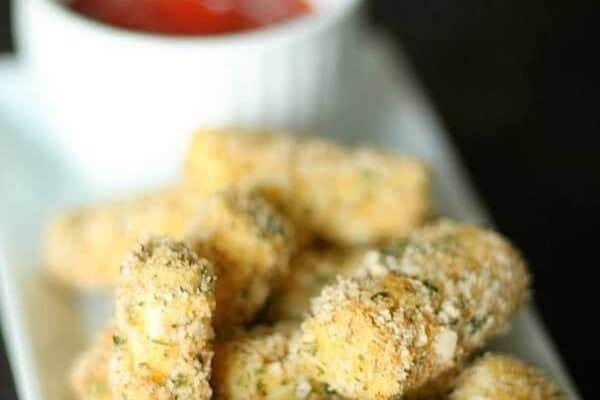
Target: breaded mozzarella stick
357, 196
502, 377
84, 249
424, 306
479, 276
346, 195
165, 303
263, 364
374, 338
218, 159
310, 271
250, 245
249, 242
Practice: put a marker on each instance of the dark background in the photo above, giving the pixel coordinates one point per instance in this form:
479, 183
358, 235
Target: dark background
516, 83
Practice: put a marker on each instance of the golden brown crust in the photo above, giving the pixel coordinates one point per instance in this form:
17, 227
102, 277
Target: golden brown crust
255, 365
358, 195
397, 320
310, 271
241, 233
84, 249
371, 338
345, 195
480, 277
502, 377
250, 245
426, 303
263, 364
164, 309
218, 159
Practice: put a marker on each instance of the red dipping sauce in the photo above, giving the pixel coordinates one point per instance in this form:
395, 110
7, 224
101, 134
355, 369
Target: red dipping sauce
191, 17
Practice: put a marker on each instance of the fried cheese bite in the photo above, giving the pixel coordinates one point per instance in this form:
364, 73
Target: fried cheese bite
372, 338
480, 277
221, 158
346, 195
163, 345
84, 249
89, 375
502, 377
250, 245
248, 160
423, 307
256, 365
241, 233
310, 271
354, 196
263, 364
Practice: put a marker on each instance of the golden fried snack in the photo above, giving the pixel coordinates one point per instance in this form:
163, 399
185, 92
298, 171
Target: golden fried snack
248, 160
89, 374
242, 234
373, 338
263, 364
250, 245
165, 303
84, 249
346, 195
256, 365
480, 277
222, 158
310, 271
502, 377
426, 304
357, 195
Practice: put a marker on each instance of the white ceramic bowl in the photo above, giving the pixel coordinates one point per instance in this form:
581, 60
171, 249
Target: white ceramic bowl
124, 103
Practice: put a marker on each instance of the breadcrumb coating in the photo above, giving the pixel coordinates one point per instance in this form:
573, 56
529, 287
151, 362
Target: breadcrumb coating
372, 338
426, 303
221, 158
165, 303
346, 195
311, 270
502, 377
480, 277
262, 364
84, 249
242, 234
89, 375
250, 245
356, 196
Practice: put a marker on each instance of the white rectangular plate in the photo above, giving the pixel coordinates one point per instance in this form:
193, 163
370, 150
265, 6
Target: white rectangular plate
44, 327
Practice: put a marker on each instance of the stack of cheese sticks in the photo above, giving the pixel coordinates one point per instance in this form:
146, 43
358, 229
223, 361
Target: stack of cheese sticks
292, 268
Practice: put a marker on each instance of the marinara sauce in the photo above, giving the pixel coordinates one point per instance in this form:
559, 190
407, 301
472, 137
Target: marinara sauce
191, 17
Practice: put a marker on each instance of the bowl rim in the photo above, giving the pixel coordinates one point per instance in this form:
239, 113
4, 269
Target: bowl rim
294, 29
